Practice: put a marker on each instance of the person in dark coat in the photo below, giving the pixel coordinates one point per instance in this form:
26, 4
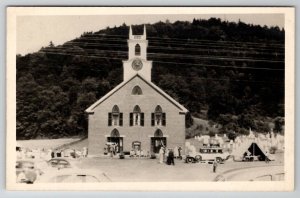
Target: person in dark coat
215, 165
170, 160
52, 154
179, 152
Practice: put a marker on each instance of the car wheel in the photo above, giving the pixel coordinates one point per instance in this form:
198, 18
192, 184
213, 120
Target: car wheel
198, 158
189, 160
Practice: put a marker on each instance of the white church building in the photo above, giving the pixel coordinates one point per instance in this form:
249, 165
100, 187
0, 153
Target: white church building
136, 114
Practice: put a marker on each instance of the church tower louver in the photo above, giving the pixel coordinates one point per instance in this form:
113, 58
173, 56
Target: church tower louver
137, 57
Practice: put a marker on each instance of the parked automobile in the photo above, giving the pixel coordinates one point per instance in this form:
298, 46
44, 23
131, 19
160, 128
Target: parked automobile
259, 173
59, 163
26, 172
207, 154
74, 175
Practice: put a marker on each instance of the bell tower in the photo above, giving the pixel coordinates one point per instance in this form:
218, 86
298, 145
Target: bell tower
137, 57
137, 45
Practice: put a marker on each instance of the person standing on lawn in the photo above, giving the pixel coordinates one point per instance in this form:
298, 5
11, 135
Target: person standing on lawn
267, 157
171, 157
161, 155
176, 152
179, 152
215, 165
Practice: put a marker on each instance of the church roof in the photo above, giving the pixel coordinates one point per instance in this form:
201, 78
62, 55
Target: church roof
160, 91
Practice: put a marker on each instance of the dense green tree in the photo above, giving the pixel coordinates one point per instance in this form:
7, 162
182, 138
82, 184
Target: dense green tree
211, 66
279, 123
231, 135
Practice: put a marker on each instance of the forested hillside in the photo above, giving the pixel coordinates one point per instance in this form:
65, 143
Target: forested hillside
229, 73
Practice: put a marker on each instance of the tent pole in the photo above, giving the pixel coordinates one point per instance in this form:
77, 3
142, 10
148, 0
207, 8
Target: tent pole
253, 151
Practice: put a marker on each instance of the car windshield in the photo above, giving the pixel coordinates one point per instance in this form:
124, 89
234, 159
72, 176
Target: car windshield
211, 150
264, 178
62, 162
59, 162
53, 162
80, 178
25, 165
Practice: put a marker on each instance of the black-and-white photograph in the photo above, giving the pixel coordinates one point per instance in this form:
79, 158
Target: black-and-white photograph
149, 95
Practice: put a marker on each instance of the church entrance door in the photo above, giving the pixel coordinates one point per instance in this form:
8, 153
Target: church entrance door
157, 143
118, 141
115, 141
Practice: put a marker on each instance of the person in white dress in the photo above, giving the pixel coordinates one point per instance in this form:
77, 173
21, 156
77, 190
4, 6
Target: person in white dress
161, 155
176, 152
138, 153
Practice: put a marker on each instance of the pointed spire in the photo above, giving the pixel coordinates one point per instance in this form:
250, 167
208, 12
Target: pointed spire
145, 33
130, 31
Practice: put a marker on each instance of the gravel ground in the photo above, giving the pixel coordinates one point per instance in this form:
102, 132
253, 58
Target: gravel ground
147, 170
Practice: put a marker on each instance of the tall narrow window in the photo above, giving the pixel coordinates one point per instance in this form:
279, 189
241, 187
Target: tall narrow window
136, 118
115, 118
137, 50
136, 90
158, 118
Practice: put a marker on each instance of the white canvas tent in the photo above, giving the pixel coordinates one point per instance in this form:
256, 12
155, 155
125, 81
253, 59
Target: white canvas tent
244, 147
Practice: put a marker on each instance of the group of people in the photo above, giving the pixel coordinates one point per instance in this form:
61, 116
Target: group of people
68, 153
23, 153
139, 153
112, 149
168, 155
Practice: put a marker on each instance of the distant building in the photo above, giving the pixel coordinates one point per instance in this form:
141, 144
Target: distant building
136, 114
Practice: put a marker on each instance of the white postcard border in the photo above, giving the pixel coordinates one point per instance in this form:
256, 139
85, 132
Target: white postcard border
287, 185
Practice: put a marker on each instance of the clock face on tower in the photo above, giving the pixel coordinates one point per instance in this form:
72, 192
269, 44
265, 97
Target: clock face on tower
137, 64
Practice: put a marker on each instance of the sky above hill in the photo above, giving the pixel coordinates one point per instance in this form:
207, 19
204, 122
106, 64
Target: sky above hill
34, 32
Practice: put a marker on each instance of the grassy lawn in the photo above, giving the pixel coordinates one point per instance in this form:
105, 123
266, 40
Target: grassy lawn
46, 143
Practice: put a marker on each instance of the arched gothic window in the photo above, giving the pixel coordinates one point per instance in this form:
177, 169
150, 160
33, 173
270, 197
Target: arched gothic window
115, 133
158, 118
137, 50
115, 117
136, 109
137, 90
115, 109
158, 133
136, 118
158, 109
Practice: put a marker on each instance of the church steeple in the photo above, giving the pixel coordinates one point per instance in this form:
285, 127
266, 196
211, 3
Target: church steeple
130, 32
137, 45
141, 37
137, 56
145, 33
